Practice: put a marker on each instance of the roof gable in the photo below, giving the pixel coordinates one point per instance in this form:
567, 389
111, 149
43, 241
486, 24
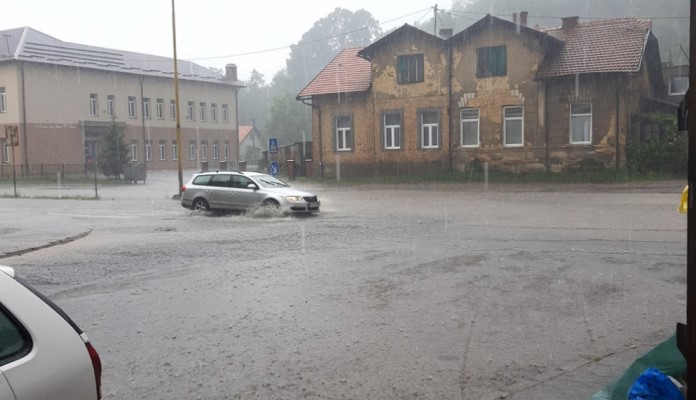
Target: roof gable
610, 45
30, 45
491, 23
346, 73
410, 33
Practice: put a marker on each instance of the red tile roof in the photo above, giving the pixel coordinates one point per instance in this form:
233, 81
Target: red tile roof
244, 131
610, 45
344, 74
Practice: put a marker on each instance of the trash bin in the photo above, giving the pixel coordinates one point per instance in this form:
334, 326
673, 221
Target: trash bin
134, 172
204, 166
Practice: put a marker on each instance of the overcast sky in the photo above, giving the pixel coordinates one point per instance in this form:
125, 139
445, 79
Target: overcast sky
211, 33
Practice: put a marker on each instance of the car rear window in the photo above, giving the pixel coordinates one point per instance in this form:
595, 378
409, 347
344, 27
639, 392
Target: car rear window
203, 180
15, 341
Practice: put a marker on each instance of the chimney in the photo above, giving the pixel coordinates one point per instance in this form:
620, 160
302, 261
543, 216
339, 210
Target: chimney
231, 72
514, 18
446, 33
523, 18
570, 22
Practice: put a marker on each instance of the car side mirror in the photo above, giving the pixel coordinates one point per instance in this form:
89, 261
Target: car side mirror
252, 186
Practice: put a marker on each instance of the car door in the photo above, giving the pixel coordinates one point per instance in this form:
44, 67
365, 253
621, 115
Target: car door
5, 390
245, 196
221, 193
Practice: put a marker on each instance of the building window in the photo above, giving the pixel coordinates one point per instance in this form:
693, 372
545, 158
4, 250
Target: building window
190, 111
204, 111
469, 127
344, 137
162, 150
409, 68
225, 113
6, 148
111, 106
204, 151
175, 151
93, 106
146, 108
581, 123
678, 85
131, 107
513, 126
148, 151
172, 109
491, 61
429, 121
134, 151
391, 128
192, 150
227, 150
160, 108
213, 112
216, 151
3, 100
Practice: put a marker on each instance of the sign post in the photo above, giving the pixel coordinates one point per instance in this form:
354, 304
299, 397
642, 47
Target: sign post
273, 150
12, 137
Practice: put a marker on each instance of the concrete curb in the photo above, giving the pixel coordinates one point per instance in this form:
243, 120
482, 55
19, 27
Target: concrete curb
47, 245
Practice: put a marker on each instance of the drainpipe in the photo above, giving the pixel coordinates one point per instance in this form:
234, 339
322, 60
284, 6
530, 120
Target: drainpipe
449, 103
321, 149
618, 136
547, 164
25, 146
142, 116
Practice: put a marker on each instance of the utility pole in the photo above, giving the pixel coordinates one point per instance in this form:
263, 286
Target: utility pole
178, 113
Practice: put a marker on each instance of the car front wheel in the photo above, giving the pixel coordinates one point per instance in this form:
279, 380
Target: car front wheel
200, 205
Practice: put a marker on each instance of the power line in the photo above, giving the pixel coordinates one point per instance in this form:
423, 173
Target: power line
310, 41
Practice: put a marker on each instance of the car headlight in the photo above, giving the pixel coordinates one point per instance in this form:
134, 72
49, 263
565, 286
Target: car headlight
295, 199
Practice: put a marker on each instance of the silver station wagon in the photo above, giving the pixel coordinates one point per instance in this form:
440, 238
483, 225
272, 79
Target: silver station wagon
233, 190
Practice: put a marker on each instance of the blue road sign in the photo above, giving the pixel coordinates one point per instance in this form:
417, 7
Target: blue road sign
272, 145
273, 168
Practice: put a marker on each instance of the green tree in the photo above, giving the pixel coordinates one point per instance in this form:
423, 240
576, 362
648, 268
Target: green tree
289, 120
254, 100
339, 30
112, 151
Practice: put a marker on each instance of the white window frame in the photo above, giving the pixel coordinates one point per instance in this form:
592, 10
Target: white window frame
216, 151
160, 108
204, 151
132, 112
468, 119
93, 105
225, 113
192, 151
392, 132
172, 109
148, 151
111, 105
175, 152
673, 93
146, 108
343, 133
6, 151
585, 117
227, 150
190, 111
507, 119
430, 130
162, 151
203, 111
3, 100
213, 112
134, 151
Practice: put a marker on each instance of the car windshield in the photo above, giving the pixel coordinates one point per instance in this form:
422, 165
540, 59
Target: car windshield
267, 181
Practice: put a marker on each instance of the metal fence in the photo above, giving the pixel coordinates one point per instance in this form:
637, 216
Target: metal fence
46, 171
